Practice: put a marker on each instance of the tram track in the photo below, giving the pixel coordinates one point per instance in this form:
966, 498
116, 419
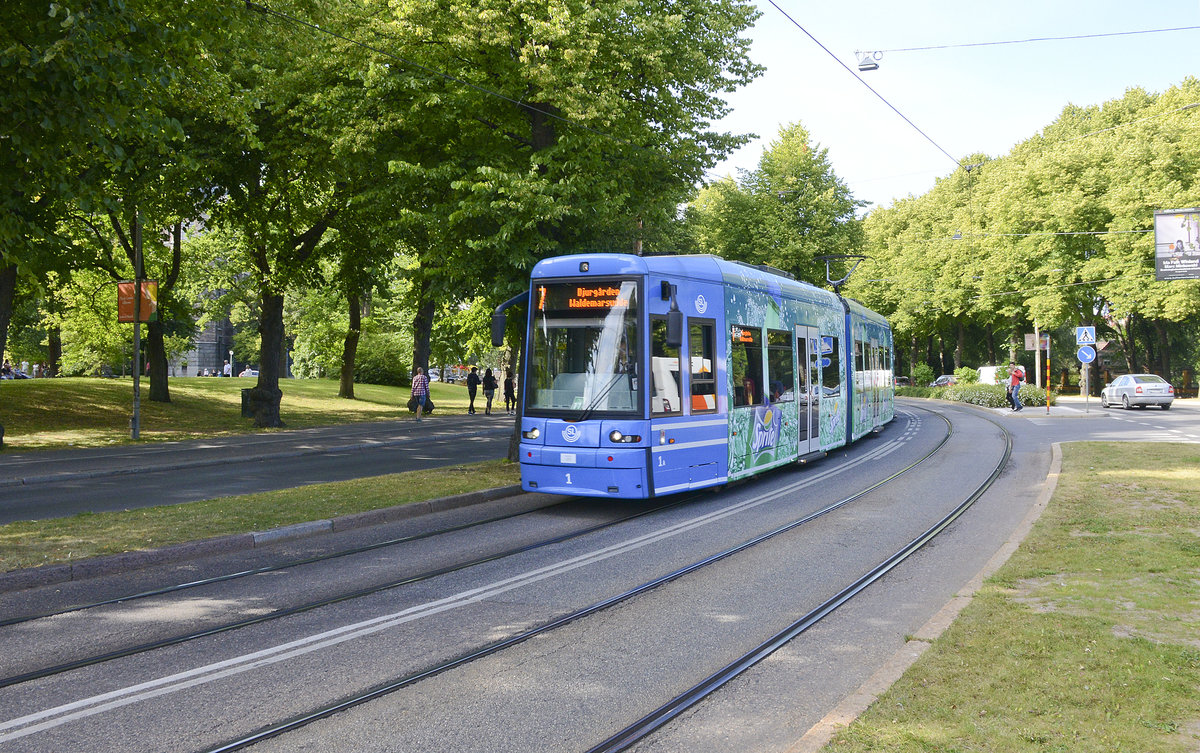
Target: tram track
311, 605
668, 711
385, 689
822, 476
147, 646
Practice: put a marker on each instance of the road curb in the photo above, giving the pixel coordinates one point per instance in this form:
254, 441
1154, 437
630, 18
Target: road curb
46, 575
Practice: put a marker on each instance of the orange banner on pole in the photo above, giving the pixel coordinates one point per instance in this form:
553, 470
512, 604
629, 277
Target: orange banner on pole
147, 310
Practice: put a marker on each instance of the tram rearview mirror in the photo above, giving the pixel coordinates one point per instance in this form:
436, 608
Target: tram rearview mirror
674, 328
497, 330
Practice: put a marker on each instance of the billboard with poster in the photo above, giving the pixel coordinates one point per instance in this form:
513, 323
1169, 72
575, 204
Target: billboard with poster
147, 309
1177, 244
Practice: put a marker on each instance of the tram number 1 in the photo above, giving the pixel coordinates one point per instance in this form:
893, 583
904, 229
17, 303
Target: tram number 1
662, 462
568, 479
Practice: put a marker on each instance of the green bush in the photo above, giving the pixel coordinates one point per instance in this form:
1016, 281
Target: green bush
922, 375
985, 395
967, 375
381, 359
916, 391
993, 395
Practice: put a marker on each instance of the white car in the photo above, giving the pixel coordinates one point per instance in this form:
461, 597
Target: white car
1138, 389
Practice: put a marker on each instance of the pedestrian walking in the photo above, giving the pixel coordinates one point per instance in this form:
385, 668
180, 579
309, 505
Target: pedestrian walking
1016, 375
420, 390
472, 386
489, 390
510, 393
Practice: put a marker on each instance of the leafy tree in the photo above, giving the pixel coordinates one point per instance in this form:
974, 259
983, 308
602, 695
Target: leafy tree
81, 84
790, 210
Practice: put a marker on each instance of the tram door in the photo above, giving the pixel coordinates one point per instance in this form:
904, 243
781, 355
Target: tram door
808, 348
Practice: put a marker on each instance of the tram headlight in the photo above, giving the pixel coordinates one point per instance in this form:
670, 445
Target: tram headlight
616, 437
531, 434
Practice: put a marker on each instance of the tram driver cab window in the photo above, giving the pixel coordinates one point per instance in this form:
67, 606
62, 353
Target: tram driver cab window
664, 371
702, 385
746, 364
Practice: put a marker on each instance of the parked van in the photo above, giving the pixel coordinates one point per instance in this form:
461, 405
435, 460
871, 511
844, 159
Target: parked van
989, 375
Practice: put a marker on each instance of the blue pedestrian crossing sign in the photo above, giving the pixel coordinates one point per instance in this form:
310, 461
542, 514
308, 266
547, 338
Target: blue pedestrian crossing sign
1085, 335
1086, 354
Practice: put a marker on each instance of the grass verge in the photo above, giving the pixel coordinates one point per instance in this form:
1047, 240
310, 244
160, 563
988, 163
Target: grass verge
43, 542
1087, 639
39, 414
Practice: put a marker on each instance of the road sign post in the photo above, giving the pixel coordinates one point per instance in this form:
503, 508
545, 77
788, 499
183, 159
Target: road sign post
1086, 354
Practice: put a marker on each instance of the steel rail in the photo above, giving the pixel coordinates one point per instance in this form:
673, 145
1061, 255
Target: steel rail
288, 611
177, 587
656, 719
395, 685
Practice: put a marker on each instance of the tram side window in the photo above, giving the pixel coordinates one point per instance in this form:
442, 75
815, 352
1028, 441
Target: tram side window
780, 371
664, 371
745, 364
702, 356
831, 375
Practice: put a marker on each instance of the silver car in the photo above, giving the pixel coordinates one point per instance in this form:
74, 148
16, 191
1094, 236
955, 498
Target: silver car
1138, 389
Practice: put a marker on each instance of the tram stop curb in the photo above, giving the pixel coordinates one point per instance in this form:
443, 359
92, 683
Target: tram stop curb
853, 705
111, 564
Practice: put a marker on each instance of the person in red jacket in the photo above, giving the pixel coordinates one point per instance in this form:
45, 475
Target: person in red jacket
1016, 375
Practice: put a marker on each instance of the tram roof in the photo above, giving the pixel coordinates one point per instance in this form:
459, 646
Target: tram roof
694, 266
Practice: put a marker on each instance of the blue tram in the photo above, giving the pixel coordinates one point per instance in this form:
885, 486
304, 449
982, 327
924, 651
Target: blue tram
647, 376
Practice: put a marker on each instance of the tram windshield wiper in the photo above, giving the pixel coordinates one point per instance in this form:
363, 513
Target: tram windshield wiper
587, 412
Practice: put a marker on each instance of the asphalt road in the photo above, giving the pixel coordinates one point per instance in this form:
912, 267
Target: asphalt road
41, 485
559, 691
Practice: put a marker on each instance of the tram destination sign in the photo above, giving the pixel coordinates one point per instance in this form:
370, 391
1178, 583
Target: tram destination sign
592, 297
1177, 244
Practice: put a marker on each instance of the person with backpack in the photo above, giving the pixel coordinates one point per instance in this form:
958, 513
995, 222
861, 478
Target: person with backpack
489, 390
472, 388
420, 390
1016, 376
510, 393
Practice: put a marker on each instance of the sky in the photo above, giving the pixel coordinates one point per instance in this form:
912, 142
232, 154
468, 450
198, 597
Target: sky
966, 100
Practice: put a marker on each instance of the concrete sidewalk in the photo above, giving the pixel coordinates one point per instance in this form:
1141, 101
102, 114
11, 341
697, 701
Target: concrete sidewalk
1076, 406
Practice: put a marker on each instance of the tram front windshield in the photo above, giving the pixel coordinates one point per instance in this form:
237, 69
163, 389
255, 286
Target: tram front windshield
584, 352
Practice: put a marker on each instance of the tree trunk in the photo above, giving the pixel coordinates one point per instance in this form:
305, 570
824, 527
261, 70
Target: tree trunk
959, 345
266, 395
54, 348
156, 357
8, 291
1164, 349
422, 327
1124, 332
991, 346
514, 439
350, 347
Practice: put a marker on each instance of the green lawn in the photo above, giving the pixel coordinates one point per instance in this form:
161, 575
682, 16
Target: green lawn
1086, 641
42, 414
44, 542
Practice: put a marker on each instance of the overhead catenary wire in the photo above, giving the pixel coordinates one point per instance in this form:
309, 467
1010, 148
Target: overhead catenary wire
860, 80
1039, 39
